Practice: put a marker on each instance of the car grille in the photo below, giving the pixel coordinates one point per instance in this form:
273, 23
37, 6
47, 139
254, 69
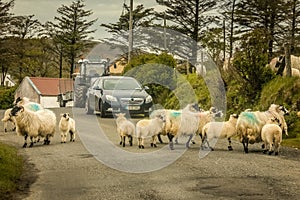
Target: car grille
132, 101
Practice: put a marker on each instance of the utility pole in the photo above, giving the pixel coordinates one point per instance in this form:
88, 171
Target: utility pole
130, 37
165, 32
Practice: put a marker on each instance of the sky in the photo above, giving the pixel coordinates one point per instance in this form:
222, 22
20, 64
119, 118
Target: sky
106, 11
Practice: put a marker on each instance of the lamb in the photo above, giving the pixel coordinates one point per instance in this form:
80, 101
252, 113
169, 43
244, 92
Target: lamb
66, 125
219, 130
125, 128
149, 128
8, 118
271, 133
249, 124
34, 124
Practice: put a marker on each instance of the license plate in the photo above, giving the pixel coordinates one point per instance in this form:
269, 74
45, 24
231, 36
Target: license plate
133, 107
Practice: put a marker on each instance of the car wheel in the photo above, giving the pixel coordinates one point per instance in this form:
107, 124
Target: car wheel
102, 110
88, 109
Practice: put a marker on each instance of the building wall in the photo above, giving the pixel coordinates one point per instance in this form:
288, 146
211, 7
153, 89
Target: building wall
49, 102
25, 89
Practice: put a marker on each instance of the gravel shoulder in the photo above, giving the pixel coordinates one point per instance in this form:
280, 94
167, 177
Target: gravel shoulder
70, 171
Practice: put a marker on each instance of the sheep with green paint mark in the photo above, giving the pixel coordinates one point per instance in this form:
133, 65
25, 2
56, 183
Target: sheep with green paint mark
249, 124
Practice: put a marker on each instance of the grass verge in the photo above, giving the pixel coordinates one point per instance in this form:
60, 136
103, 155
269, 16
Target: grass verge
291, 142
11, 166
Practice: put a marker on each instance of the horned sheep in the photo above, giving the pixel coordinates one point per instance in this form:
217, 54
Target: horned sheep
34, 124
67, 125
125, 128
219, 130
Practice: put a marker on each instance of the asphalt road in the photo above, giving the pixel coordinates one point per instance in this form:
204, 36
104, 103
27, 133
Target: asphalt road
93, 168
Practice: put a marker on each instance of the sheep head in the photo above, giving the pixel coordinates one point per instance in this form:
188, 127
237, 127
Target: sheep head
65, 115
16, 110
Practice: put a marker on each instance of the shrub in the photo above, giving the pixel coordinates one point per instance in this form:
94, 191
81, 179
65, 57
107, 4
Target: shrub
7, 97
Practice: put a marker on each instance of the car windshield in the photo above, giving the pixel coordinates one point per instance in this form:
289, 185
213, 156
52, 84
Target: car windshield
94, 69
121, 84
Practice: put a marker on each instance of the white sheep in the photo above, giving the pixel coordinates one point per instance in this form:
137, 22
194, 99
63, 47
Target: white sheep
125, 128
249, 124
34, 124
7, 118
33, 106
271, 134
149, 128
66, 125
219, 130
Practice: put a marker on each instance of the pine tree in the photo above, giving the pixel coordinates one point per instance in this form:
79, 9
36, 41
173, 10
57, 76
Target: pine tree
73, 30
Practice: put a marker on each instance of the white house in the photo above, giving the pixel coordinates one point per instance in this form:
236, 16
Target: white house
42, 90
8, 81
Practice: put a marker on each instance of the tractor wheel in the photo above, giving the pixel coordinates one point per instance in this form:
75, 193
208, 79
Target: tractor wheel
79, 96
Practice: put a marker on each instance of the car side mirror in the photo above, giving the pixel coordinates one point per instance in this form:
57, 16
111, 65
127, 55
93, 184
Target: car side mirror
96, 87
146, 87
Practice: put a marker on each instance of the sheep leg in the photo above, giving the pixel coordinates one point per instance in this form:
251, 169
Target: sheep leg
72, 136
276, 148
245, 141
229, 145
5, 126
31, 142
139, 142
142, 143
123, 138
159, 139
208, 144
187, 144
25, 139
130, 140
171, 145
270, 148
153, 143
264, 149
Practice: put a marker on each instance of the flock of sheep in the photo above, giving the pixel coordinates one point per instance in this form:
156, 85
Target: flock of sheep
33, 121
250, 127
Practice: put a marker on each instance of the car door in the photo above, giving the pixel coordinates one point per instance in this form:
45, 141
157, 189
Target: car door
98, 92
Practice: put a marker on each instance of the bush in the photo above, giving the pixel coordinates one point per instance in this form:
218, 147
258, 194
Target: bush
7, 97
283, 91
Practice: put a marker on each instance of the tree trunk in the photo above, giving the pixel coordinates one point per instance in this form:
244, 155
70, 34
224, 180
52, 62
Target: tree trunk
287, 50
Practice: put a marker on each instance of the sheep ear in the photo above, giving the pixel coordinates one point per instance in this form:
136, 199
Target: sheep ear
61, 114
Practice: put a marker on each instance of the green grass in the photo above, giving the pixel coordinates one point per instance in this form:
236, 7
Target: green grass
292, 142
11, 165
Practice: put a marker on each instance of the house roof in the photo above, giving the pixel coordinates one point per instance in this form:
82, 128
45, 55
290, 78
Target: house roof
50, 86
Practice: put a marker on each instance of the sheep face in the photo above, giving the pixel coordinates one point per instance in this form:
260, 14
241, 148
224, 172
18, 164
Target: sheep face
65, 115
16, 110
284, 110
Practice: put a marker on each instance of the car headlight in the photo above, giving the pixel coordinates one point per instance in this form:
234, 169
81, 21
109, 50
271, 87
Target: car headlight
148, 99
110, 98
